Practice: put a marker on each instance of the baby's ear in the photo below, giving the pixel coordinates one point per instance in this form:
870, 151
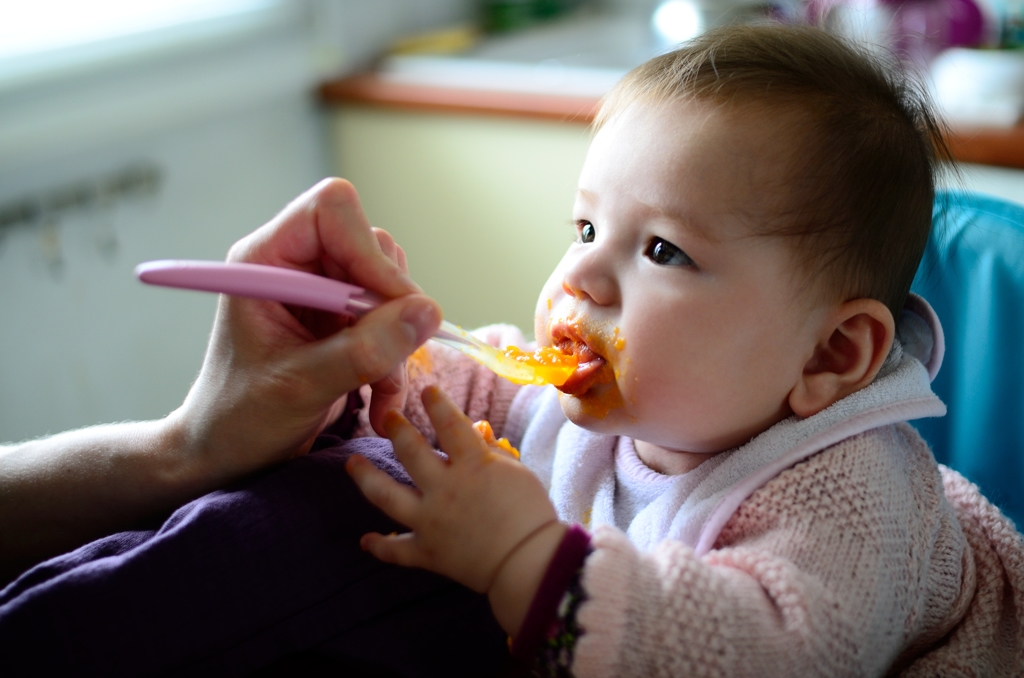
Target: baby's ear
854, 343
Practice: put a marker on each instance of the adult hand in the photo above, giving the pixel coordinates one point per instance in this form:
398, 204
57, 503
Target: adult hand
274, 376
480, 518
272, 379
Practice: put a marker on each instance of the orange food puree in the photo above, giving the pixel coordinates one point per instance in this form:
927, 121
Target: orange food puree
618, 342
483, 427
548, 364
598, 406
419, 363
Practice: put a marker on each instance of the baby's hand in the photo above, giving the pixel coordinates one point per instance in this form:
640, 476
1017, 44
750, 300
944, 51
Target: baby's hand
469, 515
499, 445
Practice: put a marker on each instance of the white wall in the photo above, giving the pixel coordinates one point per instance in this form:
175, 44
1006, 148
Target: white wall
81, 341
1001, 182
231, 128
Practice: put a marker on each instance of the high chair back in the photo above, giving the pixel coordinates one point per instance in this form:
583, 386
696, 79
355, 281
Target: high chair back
973, 275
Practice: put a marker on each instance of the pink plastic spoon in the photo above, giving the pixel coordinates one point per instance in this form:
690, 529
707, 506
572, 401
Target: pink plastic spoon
314, 291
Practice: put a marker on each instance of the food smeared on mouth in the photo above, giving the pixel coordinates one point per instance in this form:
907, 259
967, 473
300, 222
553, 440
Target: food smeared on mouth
588, 368
591, 350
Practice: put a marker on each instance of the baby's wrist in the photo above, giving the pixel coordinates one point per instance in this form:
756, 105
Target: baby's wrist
550, 621
519, 576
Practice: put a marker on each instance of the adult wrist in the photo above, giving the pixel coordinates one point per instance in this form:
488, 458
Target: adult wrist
180, 457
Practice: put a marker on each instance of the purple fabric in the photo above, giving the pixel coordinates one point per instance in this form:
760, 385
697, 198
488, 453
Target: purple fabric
565, 564
247, 577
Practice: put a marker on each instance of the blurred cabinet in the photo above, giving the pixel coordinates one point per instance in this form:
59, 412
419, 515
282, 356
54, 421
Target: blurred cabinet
481, 204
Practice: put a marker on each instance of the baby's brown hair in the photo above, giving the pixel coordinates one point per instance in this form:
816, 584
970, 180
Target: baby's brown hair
862, 176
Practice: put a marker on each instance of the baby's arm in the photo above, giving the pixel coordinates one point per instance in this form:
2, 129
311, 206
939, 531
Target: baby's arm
780, 596
479, 517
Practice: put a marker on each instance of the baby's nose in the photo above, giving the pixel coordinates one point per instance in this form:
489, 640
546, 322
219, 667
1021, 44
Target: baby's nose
595, 287
590, 273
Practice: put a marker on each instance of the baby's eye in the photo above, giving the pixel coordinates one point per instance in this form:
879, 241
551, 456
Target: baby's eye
586, 230
664, 253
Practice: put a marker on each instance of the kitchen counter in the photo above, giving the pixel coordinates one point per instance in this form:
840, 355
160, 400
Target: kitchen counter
1002, 147
370, 89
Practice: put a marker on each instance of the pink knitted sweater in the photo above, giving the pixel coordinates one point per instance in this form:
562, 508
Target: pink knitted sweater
863, 559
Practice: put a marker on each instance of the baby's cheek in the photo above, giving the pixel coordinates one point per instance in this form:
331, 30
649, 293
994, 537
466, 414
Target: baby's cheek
548, 300
651, 388
542, 321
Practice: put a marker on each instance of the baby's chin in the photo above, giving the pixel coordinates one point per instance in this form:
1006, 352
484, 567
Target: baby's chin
597, 408
575, 411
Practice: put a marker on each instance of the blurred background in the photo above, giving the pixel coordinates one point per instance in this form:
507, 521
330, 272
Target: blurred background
132, 131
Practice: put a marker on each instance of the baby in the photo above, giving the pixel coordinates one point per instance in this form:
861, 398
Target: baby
726, 485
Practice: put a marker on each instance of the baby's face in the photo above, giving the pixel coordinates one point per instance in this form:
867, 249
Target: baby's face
690, 328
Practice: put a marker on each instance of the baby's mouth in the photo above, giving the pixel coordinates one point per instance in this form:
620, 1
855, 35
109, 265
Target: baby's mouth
589, 362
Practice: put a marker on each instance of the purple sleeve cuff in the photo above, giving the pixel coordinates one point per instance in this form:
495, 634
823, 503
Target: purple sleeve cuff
564, 565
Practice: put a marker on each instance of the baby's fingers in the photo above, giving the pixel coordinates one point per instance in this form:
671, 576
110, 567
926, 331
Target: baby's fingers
497, 445
455, 432
393, 498
413, 450
398, 549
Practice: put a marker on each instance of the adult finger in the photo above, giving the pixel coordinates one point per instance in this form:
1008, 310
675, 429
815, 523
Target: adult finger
367, 351
387, 244
390, 496
324, 230
390, 392
391, 248
412, 449
402, 262
387, 394
455, 432
349, 241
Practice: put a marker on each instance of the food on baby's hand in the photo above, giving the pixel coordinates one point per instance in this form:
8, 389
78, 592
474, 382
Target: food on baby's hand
483, 427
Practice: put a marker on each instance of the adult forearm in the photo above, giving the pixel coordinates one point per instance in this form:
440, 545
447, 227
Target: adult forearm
59, 492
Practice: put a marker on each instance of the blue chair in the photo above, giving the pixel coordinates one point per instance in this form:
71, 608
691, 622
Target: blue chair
972, 273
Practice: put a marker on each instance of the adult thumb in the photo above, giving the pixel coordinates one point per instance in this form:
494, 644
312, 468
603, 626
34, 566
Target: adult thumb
368, 350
